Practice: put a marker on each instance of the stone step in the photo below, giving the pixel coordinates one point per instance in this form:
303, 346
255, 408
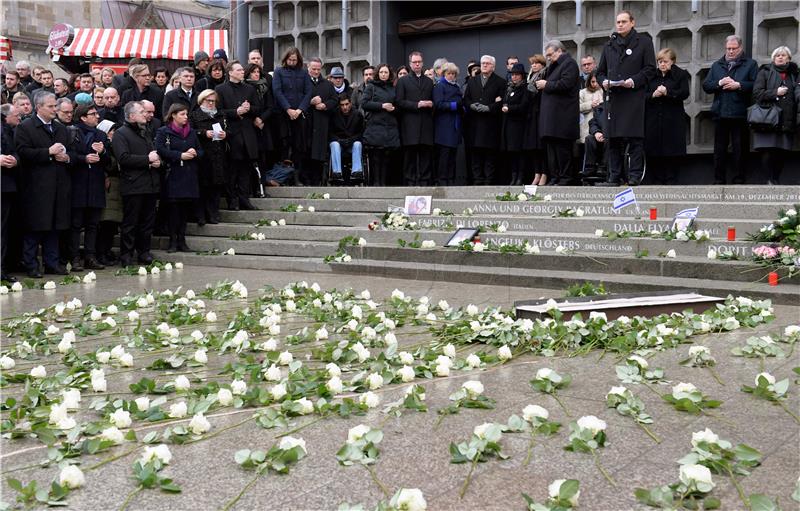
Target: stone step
244, 261
717, 226
688, 194
559, 278
544, 240
585, 262
270, 247
765, 211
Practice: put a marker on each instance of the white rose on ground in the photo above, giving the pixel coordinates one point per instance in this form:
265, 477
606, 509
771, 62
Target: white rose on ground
333, 370
179, 265
98, 380
16, 287
168, 267
357, 433
409, 500
522, 197
480, 430
406, 373
200, 356
285, 358
406, 358
278, 391
694, 351
599, 232
49, 285
473, 360
683, 388
791, 330
544, 373
178, 410
712, 254
7, 362
51, 330
96, 315
230, 251
110, 322
71, 477
335, 385
704, 436
155, 270
58, 413
273, 373
478, 247
120, 418
449, 350
224, 397
65, 345
142, 271
238, 387
532, 412
428, 244
321, 334
473, 387
640, 361
39, 372
71, 398
199, 424
442, 370
160, 452
142, 403
504, 353
370, 399
579, 212
289, 442
591, 423
133, 316
4, 291
126, 360
560, 249
142, 302
375, 381
696, 476
306, 406
554, 488
770, 379
113, 434
617, 391
671, 253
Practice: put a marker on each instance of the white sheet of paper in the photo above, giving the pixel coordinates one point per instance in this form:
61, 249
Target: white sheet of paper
530, 189
217, 129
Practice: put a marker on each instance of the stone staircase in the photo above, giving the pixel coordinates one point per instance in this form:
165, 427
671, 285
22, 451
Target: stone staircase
621, 263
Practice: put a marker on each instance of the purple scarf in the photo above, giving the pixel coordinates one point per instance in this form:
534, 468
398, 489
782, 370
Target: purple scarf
183, 132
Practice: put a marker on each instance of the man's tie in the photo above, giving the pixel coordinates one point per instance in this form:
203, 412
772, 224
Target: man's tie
49, 128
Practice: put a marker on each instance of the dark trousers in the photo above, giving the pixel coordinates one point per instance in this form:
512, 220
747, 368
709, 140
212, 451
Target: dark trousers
736, 132
662, 170
138, 217
616, 159
559, 159
417, 162
7, 200
30, 245
379, 165
106, 230
179, 212
85, 219
311, 172
772, 161
594, 154
483, 166
516, 164
446, 171
238, 174
208, 203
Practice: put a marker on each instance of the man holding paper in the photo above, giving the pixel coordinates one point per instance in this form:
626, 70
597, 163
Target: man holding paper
627, 63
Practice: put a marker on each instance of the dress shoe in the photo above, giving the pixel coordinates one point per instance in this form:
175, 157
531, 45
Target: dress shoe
172, 248
634, 182
201, 223
8, 278
247, 205
183, 247
213, 221
146, 258
76, 264
93, 264
58, 270
35, 273
609, 183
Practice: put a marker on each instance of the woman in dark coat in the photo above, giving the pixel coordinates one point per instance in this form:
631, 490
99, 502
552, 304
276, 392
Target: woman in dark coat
211, 167
516, 107
264, 113
776, 84
448, 107
533, 143
381, 133
214, 77
665, 118
291, 87
178, 147
88, 175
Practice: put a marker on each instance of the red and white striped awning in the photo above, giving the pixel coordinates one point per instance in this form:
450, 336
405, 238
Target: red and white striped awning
143, 43
5, 48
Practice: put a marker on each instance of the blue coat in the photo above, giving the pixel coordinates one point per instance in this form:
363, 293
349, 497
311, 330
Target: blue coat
291, 88
181, 181
449, 109
731, 104
88, 179
8, 177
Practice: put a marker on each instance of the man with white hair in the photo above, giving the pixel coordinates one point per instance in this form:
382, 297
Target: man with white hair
23, 67
731, 80
483, 99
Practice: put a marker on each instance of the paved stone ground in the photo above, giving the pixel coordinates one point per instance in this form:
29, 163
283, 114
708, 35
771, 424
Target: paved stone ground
414, 454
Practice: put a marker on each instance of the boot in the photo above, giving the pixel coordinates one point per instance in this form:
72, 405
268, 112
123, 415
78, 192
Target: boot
93, 264
76, 264
182, 246
173, 245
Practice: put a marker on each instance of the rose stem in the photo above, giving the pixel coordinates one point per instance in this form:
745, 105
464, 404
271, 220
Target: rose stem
469, 477
383, 488
602, 470
242, 492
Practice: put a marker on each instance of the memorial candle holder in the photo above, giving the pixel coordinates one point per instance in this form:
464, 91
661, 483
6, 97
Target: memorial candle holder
773, 278
653, 213
731, 233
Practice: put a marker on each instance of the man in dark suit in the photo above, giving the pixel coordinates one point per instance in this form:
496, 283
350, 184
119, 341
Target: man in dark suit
183, 94
628, 62
111, 110
559, 111
415, 102
42, 146
237, 101
322, 105
483, 99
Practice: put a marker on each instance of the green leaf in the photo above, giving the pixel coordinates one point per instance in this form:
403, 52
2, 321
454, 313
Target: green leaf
241, 456
746, 453
759, 502
568, 489
710, 503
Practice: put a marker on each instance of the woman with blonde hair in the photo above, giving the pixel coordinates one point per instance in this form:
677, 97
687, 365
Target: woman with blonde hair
534, 146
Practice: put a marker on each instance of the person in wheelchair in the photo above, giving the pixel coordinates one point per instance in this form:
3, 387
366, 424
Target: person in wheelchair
594, 161
347, 126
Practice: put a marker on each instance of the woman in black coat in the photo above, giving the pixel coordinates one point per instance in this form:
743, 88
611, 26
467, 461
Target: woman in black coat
88, 176
264, 110
533, 142
178, 147
776, 84
665, 118
516, 107
211, 167
381, 133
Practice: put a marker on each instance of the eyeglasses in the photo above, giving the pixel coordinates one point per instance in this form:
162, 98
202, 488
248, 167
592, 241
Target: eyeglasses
144, 74
209, 101
92, 113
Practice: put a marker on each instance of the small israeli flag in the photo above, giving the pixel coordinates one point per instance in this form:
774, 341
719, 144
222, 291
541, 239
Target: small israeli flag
688, 213
624, 198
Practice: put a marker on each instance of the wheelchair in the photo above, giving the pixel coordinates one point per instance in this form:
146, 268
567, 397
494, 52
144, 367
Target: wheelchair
347, 166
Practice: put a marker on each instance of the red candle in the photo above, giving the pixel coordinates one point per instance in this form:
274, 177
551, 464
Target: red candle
773, 278
653, 213
731, 233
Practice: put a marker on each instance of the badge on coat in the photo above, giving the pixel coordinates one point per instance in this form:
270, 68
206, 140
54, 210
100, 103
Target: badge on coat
511, 94
628, 52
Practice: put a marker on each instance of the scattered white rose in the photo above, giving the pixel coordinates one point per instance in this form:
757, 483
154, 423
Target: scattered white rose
532, 412
335, 385
273, 373
704, 436
504, 353
224, 397
473, 387
199, 424
591, 423
478, 247
554, 488
95, 315
409, 499
4, 291
160, 452
449, 351
200, 356
289, 442
442, 370
71, 398
230, 252
7, 363
113, 434
370, 399
16, 287
697, 476
71, 477
126, 360
238, 387
473, 360
182, 383
278, 391
285, 358
375, 381
120, 418
671, 253
178, 410
211, 316
770, 379
599, 233
39, 372
110, 322
142, 271
406, 373
142, 403
49, 285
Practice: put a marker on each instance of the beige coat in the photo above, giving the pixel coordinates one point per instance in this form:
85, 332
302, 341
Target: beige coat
585, 98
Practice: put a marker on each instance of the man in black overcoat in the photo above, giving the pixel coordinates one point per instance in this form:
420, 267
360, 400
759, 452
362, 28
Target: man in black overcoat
42, 146
627, 63
320, 109
415, 101
183, 94
483, 99
142, 88
559, 112
237, 101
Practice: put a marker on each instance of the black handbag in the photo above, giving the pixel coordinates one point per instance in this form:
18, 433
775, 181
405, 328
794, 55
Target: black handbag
764, 118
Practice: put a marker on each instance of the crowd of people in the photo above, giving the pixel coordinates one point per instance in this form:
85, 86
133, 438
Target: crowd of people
101, 153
